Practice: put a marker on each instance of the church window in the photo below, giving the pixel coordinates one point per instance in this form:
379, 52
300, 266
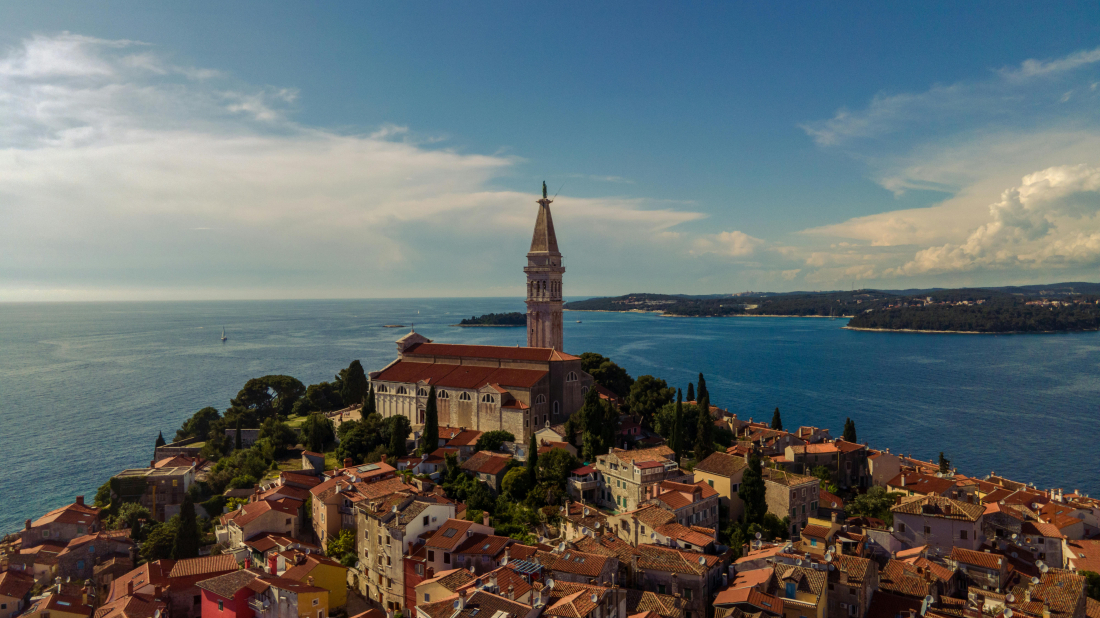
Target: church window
540, 399
557, 408
464, 396
584, 390
422, 392
401, 390
571, 376
487, 398
442, 395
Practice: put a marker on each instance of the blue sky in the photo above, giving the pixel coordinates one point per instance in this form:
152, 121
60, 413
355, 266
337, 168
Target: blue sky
276, 150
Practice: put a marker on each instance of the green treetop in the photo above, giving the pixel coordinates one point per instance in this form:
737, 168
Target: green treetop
160, 439
777, 420
354, 385
186, 543
704, 435
945, 464
647, 395
691, 392
849, 431
753, 492
676, 442
429, 440
702, 390
532, 460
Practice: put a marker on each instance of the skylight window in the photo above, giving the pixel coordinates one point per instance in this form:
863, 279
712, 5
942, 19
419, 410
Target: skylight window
449, 532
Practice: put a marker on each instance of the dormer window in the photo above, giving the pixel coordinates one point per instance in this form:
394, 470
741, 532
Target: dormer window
442, 395
401, 390
571, 376
464, 397
422, 392
381, 389
488, 398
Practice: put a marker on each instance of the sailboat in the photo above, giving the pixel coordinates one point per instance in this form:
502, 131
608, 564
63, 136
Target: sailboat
223, 334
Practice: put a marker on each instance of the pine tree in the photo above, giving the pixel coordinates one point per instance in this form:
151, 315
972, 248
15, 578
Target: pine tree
186, 544
691, 392
777, 421
676, 441
237, 437
945, 464
701, 392
849, 431
704, 435
532, 463
753, 492
160, 439
429, 439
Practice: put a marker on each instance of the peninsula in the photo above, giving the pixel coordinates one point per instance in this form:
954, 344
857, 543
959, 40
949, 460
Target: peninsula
512, 319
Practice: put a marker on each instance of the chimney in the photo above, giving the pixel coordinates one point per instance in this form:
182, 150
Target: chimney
903, 480
511, 592
27, 525
309, 580
461, 599
484, 518
507, 556
383, 458
80, 500
347, 462
130, 587
430, 573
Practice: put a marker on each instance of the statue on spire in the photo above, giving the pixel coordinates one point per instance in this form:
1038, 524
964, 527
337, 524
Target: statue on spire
544, 189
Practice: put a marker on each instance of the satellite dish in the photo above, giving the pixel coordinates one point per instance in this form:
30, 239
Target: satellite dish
586, 512
550, 583
1015, 555
1014, 535
1039, 563
702, 560
597, 525
758, 535
831, 567
1034, 580
1044, 568
799, 563
1011, 598
829, 557
1008, 613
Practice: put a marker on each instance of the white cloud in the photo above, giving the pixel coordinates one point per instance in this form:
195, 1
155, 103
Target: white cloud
1034, 68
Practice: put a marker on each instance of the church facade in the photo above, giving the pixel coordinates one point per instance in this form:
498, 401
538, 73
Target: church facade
488, 388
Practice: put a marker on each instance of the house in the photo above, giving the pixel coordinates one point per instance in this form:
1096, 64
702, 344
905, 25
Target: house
15, 592
852, 583
570, 600
723, 473
979, 569
488, 467
1083, 555
61, 525
650, 603
1057, 594
227, 596
791, 495
481, 553
161, 490
580, 519
579, 567
546, 447
174, 581
693, 504
1067, 518
39, 561
917, 577
256, 518
882, 467
469, 603
279, 597
629, 478
55, 605
829, 506
268, 549
1043, 540
465, 442
639, 526
694, 576
584, 484
333, 499
80, 556
803, 590
319, 571
940, 523
133, 606
440, 587
389, 527
446, 539
751, 601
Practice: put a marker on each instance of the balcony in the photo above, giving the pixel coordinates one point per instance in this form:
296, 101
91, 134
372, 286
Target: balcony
256, 605
583, 485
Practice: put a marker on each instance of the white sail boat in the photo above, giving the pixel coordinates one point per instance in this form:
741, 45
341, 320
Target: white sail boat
223, 334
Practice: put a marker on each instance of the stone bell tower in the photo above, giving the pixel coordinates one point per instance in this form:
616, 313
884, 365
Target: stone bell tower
544, 271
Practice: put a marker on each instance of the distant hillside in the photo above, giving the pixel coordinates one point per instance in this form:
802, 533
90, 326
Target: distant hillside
496, 319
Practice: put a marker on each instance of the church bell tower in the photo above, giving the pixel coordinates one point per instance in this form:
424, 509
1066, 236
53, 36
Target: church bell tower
544, 271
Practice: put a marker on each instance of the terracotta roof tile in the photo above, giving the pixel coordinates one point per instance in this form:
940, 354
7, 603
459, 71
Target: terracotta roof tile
985, 560
204, 565
722, 464
940, 507
674, 560
665, 605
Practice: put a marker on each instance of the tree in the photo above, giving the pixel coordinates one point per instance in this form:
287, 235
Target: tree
278, 434
398, 428
237, 437
516, 484
823, 473
1092, 584
777, 420
875, 503
676, 443
493, 440
187, 532
704, 434
945, 464
736, 541
753, 492
609, 425
849, 431
103, 495
342, 545
532, 460
354, 385
606, 373
369, 404
591, 417
130, 515
647, 395
702, 391
318, 432
198, 426
320, 397
556, 466
161, 539
160, 439
261, 398
429, 439
691, 392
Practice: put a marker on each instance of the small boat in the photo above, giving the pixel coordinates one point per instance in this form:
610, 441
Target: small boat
223, 334
578, 321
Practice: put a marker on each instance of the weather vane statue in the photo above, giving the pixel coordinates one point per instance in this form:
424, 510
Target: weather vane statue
544, 189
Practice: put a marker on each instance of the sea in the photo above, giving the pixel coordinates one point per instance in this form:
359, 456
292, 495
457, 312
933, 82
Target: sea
86, 387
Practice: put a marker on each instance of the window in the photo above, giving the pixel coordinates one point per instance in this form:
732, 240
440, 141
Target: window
442, 395
431, 556
660, 588
962, 534
80, 529
813, 542
427, 597
464, 397
571, 376
79, 565
221, 605
584, 390
927, 530
901, 527
446, 558
790, 590
425, 520
540, 399
91, 548
316, 602
487, 398
711, 483
320, 613
381, 388
736, 486
175, 483
401, 390
557, 408
197, 600
687, 593
422, 392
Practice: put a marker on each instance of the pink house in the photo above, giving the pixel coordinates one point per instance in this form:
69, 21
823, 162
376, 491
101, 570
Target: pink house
227, 596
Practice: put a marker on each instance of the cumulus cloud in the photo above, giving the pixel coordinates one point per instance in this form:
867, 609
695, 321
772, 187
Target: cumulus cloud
736, 244
121, 168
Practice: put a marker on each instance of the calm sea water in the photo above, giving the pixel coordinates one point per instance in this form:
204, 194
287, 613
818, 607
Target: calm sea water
84, 388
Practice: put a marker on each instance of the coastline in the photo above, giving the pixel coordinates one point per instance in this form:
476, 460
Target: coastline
968, 332
736, 315
489, 325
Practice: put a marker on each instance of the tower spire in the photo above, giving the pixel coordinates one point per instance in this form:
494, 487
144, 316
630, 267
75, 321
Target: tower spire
544, 272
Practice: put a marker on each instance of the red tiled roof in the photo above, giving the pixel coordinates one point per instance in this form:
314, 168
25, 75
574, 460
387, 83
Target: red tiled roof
15, 583
465, 438
485, 462
488, 351
685, 534
251, 511
203, 565
818, 532
450, 534
59, 603
483, 544
69, 514
1084, 555
575, 562
986, 560
135, 606
752, 597
674, 560
1038, 528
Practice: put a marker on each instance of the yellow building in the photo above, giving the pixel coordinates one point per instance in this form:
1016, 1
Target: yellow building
322, 572
723, 473
282, 598
802, 589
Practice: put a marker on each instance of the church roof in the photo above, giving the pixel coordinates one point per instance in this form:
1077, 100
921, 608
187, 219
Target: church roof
544, 240
459, 376
499, 352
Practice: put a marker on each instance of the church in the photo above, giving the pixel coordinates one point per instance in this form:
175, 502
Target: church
486, 388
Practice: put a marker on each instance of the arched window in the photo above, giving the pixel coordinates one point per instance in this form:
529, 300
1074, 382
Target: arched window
571, 376
540, 399
401, 390
464, 397
442, 395
557, 408
487, 398
422, 392
381, 388
584, 390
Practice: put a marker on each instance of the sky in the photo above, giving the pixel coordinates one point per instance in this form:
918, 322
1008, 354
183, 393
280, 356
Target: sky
258, 150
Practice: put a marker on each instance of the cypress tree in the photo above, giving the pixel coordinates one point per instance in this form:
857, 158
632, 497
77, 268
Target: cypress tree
429, 440
610, 425
397, 438
532, 460
945, 464
849, 431
368, 403
237, 437
592, 417
704, 435
675, 443
354, 384
701, 392
691, 392
777, 421
753, 491
160, 439
186, 544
